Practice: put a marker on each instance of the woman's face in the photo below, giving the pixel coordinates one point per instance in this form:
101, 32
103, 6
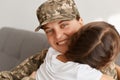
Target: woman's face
59, 32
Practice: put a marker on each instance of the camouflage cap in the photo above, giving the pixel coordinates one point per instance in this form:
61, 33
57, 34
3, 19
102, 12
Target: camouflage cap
53, 10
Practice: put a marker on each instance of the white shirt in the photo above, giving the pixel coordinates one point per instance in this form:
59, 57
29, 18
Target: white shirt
54, 69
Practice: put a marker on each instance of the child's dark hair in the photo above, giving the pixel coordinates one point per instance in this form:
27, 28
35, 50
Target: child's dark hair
95, 44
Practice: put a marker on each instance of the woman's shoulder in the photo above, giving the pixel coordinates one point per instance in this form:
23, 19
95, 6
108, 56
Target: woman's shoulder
110, 70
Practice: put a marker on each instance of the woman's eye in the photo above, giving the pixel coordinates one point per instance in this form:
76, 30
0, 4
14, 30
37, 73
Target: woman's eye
64, 25
48, 31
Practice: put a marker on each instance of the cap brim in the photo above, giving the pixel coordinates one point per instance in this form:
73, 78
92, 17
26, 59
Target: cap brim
51, 20
37, 29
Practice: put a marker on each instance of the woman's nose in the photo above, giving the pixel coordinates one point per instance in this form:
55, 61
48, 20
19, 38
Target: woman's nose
59, 34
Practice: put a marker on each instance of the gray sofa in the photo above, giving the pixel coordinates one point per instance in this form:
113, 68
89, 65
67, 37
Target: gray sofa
16, 45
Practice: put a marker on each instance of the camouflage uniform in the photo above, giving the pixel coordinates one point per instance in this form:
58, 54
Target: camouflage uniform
25, 68
49, 11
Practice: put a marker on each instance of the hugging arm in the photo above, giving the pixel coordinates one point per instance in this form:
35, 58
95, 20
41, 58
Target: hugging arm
26, 68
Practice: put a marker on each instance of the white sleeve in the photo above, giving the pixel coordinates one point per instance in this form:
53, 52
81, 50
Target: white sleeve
85, 72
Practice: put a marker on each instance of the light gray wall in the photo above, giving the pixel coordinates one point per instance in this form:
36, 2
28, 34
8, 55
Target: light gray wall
22, 13
19, 14
107, 10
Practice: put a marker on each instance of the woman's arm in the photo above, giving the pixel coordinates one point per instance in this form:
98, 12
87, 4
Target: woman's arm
26, 68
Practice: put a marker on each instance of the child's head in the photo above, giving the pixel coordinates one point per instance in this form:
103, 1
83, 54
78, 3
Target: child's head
96, 44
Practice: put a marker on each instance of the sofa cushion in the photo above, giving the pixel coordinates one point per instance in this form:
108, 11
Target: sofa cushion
2, 39
7, 62
16, 45
33, 44
10, 41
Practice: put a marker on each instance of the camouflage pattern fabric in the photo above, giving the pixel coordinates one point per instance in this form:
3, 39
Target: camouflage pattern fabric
110, 70
22, 71
25, 68
28, 78
53, 10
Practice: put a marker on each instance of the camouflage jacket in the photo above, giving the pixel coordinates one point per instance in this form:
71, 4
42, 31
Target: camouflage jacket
23, 71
